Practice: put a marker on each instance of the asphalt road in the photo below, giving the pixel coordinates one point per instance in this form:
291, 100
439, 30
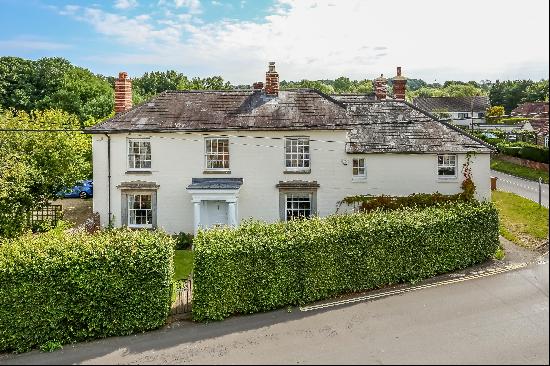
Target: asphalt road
523, 187
499, 319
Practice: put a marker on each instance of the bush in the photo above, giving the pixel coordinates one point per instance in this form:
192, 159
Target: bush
525, 150
258, 266
183, 241
368, 203
59, 288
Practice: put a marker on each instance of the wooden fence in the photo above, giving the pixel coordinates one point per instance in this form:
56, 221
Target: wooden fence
49, 214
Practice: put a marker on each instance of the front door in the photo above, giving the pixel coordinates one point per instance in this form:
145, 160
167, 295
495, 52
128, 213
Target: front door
215, 213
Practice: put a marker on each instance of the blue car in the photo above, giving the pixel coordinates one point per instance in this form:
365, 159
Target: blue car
83, 189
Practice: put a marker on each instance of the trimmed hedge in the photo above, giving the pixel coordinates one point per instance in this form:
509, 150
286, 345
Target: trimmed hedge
525, 151
259, 267
62, 288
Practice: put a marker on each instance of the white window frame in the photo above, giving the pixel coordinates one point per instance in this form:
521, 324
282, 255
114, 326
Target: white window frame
463, 115
130, 210
447, 164
358, 168
298, 195
546, 141
295, 155
129, 153
216, 153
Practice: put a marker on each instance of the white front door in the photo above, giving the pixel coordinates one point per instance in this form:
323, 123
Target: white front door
214, 213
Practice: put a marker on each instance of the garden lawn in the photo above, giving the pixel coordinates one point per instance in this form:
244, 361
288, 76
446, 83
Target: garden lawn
521, 220
183, 264
518, 170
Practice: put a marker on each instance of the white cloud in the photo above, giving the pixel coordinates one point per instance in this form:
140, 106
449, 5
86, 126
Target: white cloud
194, 6
315, 39
125, 4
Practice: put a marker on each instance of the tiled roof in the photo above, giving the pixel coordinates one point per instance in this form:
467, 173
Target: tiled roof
374, 126
227, 110
392, 126
452, 104
531, 109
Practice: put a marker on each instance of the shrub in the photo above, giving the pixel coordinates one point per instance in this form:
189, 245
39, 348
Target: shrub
59, 288
525, 150
258, 266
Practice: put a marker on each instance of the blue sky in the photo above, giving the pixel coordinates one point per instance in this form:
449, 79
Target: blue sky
314, 39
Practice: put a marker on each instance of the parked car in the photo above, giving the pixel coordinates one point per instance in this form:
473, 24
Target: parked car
490, 135
83, 189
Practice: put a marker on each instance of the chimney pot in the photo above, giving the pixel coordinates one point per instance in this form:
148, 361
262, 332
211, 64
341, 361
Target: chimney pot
123, 93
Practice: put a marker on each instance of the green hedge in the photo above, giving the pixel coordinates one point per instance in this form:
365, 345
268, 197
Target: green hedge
258, 266
525, 151
61, 288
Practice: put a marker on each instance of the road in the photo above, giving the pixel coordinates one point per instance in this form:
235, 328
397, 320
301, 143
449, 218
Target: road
498, 319
523, 187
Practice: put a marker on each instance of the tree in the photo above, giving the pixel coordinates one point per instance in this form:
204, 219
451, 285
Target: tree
495, 113
36, 165
50, 83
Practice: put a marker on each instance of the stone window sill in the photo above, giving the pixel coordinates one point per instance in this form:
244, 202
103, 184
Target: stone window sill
305, 171
216, 172
138, 172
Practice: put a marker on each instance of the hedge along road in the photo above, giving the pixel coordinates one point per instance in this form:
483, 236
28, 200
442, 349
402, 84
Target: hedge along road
522, 187
500, 319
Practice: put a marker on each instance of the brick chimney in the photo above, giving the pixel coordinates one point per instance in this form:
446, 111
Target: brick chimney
123, 93
380, 87
272, 80
258, 85
399, 85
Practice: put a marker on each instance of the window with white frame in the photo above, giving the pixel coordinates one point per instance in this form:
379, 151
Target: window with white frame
297, 153
446, 166
546, 141
139, 154
298, 205
216, 153
359, 168
463, 115
140, 211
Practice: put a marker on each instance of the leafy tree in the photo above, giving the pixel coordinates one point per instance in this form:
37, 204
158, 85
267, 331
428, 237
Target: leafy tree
51, 83
495, 113
36, 165
511, 93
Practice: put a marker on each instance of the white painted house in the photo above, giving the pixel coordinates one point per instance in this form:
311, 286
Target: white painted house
461, 111
190, 159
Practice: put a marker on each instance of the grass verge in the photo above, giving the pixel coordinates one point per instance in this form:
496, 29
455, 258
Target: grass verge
521, 220
183, 264
518, 170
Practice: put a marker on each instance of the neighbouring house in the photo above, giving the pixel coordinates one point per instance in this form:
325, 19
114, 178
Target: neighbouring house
461, 111
190, 159
536, 113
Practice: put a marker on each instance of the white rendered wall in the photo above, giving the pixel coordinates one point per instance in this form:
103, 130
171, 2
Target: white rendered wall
179, 157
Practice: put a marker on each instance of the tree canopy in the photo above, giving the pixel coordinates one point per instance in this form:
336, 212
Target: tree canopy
35, 165
53, 83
